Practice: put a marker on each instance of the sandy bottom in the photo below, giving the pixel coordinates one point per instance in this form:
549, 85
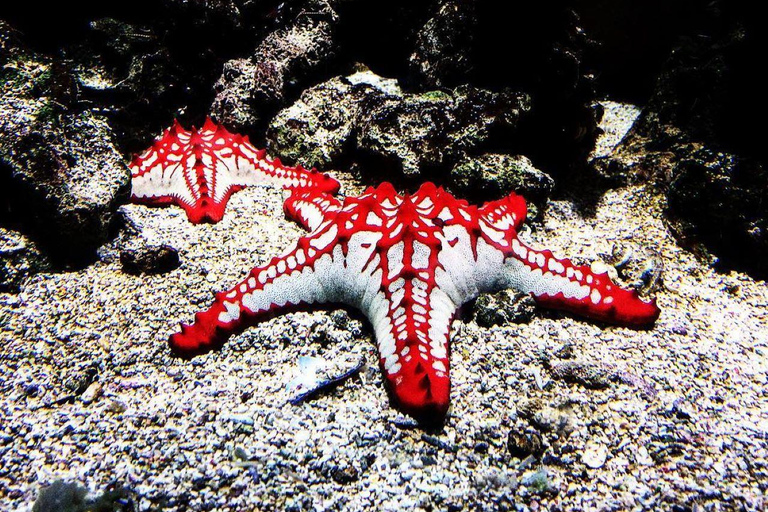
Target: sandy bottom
679, 417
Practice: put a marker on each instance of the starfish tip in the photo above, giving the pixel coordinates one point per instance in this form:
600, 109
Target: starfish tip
428, 413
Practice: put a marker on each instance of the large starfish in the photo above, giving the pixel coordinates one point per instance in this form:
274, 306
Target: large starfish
199, 169
408, 262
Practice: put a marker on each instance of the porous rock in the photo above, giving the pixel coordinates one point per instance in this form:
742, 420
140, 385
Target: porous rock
442, 56
392, 133
424, 134
523, 442
320, 126
719, 199
532, 47
145, 70
142, 75
60, 174
696, 137
251, 89
493, 176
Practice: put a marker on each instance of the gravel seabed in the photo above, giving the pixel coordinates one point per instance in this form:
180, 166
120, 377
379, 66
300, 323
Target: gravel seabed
682, 424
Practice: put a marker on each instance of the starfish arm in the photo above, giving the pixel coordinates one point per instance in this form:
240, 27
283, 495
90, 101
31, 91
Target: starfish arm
412, 322
559, 284
310, 207
508, 213
285, 283
240, 164
164, 173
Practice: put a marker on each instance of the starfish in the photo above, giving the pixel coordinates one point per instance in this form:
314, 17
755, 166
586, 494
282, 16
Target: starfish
199, 169
408, 262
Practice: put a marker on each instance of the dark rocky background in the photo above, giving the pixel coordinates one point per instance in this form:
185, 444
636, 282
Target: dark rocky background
481, 98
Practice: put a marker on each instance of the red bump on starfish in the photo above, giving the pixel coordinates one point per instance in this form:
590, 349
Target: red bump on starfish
199, 169
408, 262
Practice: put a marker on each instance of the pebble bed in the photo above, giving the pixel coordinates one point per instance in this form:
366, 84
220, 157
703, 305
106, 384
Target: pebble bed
557, 414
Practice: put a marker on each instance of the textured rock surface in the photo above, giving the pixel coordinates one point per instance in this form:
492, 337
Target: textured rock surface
143, 72
697, 137
705, 95
146, 62
19, 259
721, 199
61, 176
423, 134
251, 89
320, 127
531, 47
493, 176
129, 70
389, 132
442, 54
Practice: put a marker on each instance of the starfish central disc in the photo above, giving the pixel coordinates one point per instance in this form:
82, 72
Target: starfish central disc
408, 262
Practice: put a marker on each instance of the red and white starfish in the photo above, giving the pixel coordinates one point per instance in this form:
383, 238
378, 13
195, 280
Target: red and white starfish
408, 262
199, 169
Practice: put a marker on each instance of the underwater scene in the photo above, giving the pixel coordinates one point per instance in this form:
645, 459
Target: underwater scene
347, 255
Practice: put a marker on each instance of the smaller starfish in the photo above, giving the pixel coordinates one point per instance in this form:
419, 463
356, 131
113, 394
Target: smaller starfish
199, 169
408, 262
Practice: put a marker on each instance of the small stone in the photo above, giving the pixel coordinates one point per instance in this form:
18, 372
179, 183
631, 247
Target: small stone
92, 393
79, 382
150, 260
240, 454
345, 474
522, 444
594, 455
537, 482
681, 409
319, 333
116, 407
242, 419
548, 418
428, 460
643, 457
678, 327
